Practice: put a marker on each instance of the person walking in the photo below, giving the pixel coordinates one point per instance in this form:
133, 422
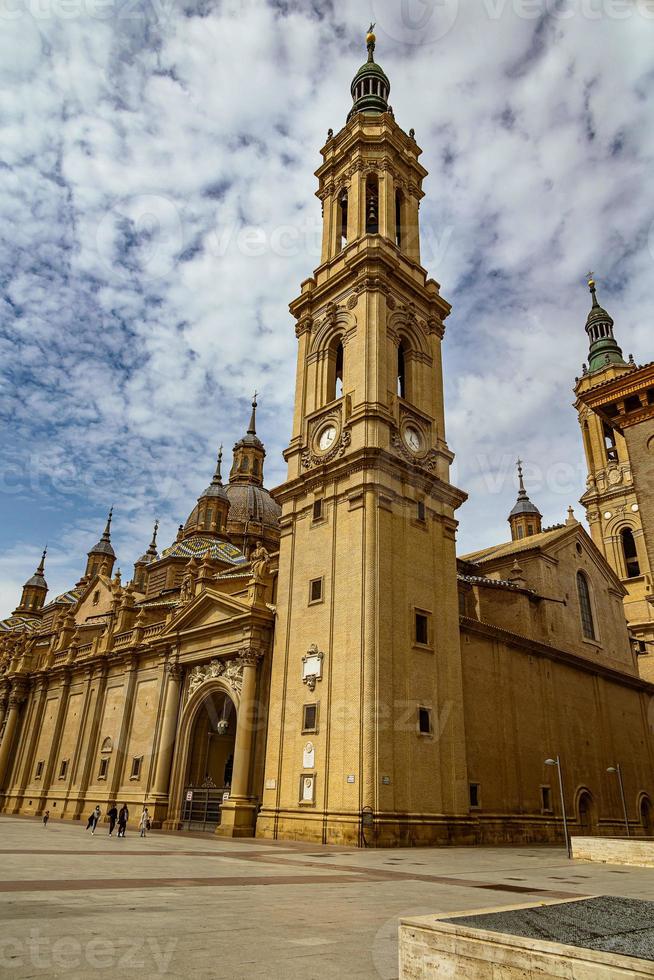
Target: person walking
89, 822
46, 817
144, 822
112, 813
97, 813
123, 817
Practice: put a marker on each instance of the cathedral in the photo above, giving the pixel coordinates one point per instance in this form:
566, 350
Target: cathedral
315, 662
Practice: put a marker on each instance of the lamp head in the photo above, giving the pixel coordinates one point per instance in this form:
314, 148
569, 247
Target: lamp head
611, 769
551, 762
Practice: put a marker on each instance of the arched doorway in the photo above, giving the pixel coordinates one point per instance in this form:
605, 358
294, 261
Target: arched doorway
210, 761
586, 813
646, 820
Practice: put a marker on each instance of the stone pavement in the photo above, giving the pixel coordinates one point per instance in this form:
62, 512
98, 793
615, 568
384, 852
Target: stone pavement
195, 906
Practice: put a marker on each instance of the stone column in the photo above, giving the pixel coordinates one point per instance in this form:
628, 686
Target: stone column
56, 738
238, 817
166, 745
4, 704
16, 699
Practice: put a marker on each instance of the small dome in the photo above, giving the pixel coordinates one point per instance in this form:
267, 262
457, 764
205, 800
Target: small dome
370, 87
525, 506
252, 503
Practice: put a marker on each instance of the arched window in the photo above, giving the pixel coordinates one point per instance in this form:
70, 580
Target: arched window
335, 371
399, 211
610, 444
209, 517
630, 553
401, 371
372, 205
587, 622
343, 209
340, 357
255, 466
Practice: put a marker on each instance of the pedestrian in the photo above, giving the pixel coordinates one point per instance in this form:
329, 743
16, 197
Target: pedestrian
97, 813
46, 817
144, 822
112, 813
123, 817
89, 822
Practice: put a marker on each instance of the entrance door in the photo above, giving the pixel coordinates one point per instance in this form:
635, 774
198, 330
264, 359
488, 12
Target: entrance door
211, 760
646, 816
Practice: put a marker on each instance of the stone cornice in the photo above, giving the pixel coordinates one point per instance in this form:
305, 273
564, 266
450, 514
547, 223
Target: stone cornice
535, 648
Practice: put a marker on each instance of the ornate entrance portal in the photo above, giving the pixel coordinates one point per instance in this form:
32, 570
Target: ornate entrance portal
211, 762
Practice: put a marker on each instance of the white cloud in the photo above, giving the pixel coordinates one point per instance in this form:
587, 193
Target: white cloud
138, 311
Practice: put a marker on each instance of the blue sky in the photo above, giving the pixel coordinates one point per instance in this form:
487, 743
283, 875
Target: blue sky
157, 215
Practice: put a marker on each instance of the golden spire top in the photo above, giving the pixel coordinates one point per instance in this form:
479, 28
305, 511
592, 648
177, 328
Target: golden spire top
370, 36
591, 279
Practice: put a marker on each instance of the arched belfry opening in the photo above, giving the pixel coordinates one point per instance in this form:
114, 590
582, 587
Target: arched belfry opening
630, 553
401, 371
399, 219
209, 770
343, 218
335, 370
372, 205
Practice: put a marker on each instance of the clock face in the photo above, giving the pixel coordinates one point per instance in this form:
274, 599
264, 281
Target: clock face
413, 438
326, 438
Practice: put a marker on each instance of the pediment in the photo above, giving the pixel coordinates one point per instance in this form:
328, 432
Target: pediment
208, 609
95, 600
579, 538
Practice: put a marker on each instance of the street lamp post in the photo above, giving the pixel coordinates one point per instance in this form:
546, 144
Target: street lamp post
618, 771
557, 762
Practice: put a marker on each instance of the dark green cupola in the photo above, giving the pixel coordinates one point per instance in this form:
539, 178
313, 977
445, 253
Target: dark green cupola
370, 86
604, 348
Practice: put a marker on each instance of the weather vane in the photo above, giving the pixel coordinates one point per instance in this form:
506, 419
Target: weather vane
372, 27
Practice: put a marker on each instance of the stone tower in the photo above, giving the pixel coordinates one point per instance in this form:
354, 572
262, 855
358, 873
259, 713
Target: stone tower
617, 502
34, 591
366, 733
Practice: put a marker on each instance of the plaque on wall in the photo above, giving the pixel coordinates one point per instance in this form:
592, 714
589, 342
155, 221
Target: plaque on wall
309, 756
307, 788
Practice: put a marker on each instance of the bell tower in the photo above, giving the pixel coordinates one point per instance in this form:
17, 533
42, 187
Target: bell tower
366, 686
613, 401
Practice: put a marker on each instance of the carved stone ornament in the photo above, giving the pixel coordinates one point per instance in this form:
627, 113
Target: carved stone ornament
312, 666
310, 458
231, 671
352, 302
304, 325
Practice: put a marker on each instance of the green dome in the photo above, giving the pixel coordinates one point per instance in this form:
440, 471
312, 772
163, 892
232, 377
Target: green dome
604, 349
370, 87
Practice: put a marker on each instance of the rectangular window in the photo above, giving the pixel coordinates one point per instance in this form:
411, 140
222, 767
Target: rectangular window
546, 799
63, 768
424, 721
136, 767
422, 513
315, 590
422, 628
462, 603
310, 718
39, 770
642, 648
104, 769
521, 532
530, 530
475, 795
318, 509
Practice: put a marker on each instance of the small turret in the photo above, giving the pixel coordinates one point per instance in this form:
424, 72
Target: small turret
102, 553
209, 516
34, 590
150, 555
525, 518
249, 454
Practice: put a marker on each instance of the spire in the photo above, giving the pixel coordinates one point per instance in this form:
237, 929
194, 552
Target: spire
252, 430
525, 518
107, 531
370, 87
41, 569
153, 543
604, 348
218, 477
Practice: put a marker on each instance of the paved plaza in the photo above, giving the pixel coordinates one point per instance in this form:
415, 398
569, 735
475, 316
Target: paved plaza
195, 906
